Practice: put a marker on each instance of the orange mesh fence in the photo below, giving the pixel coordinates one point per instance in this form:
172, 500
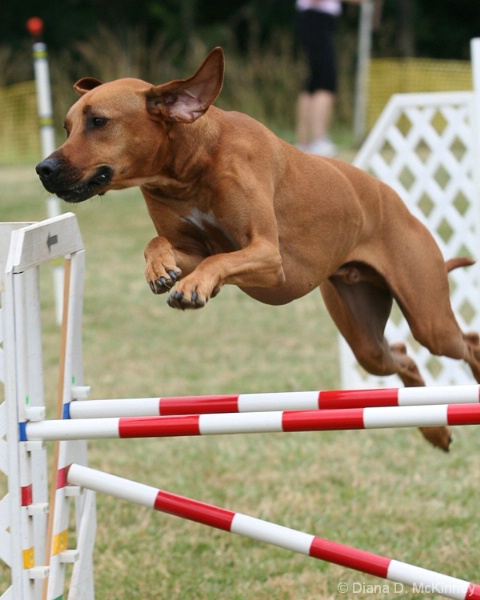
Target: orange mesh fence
19, 133
411, 75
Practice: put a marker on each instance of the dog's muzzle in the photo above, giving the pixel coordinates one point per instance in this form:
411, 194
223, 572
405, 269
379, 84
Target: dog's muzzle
65, 181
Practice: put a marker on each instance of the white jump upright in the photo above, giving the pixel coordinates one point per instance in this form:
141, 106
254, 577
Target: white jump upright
24, 543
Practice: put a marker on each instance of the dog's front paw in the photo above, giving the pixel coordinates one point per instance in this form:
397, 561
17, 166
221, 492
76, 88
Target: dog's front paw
164, 283
161, 270
178, 299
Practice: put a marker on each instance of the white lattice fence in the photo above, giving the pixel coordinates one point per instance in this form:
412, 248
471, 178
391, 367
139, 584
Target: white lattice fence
425, 147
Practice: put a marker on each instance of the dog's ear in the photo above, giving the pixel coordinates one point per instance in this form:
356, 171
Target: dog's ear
185, 100
85, 85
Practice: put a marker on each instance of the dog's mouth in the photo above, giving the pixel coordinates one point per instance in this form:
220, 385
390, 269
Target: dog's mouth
83, 190
64, 181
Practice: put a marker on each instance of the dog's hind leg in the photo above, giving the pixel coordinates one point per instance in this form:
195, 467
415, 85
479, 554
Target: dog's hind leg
425, 303
360, 303
472, 342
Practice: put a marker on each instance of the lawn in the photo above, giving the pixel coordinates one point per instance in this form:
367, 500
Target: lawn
384, 491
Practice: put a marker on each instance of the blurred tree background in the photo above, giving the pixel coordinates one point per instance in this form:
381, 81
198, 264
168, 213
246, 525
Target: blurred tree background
160, 39
426, 28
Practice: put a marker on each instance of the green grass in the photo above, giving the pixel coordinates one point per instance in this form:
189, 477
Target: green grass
383, 491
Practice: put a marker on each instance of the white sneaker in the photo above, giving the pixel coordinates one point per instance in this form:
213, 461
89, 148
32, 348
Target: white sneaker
303, 147
323, 147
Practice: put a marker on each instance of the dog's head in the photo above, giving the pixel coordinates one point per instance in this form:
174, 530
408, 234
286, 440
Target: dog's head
117, 131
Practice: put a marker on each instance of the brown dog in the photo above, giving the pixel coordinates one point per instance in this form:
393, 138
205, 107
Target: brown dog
234, 204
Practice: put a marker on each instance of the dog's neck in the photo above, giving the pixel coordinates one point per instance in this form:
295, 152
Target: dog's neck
183, 158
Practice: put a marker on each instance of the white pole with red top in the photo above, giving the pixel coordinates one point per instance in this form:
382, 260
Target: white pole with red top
47, 137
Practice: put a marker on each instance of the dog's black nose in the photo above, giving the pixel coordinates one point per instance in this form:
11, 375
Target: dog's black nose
47, 167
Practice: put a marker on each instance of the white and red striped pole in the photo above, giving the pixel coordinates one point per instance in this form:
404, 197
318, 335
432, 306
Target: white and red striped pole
255, 422
274, 401
271, 533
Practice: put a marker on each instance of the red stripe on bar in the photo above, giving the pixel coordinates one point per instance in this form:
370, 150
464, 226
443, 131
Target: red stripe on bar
350, 557
26, 495
473, 592
358, 398
327, 420
194, 510
463, 414
194, 405
133, 427
62, 477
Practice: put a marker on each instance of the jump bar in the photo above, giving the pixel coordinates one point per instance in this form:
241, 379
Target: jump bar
257, 422
275, 401
271, 533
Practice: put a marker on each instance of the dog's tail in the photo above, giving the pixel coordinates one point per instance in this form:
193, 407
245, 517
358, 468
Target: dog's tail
455, 263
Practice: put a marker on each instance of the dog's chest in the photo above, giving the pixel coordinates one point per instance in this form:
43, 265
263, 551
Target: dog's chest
201, 220
204, 228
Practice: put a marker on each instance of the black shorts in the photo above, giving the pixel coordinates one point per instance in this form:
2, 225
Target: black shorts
316, 32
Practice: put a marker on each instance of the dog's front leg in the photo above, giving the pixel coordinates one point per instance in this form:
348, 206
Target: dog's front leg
166, 265
161, 271
257, 265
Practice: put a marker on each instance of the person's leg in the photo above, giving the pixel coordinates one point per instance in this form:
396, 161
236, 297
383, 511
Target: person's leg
321, 107
323, 86
304, 120
315, 103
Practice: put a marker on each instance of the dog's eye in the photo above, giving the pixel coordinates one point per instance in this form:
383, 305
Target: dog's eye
98, 122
